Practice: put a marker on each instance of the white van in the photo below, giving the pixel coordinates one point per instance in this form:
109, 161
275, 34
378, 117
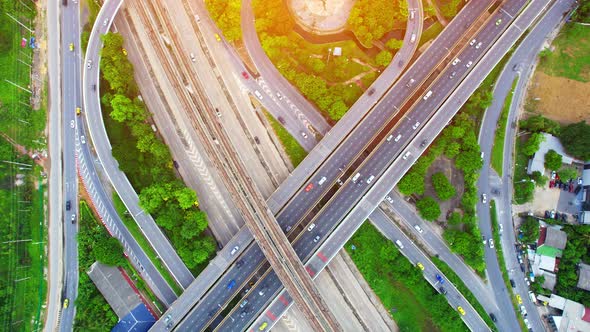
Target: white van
311, 227
413, 38
428, 94
411, 14
356, 177
258, 94
398, 137
322, 180
407, 155
399, 244
389, 138
370, 179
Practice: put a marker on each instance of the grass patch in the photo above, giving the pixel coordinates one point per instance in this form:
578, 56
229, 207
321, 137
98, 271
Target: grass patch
143, 243
295, 151
458, 283
521, 180
571, 57
498, 149
429, 34
412, 302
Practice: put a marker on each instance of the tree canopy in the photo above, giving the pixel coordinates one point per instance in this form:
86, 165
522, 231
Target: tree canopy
370, 20
442, 186
428, 208
553, 160
576, 140
532, 144
530, 230
226, 14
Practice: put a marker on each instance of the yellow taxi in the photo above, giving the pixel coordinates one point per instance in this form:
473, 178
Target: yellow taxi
518, 299
461, 311
71, 47
78, 111
66, 303
262, 326
217, 37
420, 266
124, 52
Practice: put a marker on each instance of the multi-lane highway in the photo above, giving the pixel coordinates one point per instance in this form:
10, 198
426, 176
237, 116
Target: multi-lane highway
71, 99
338, 165
518, 67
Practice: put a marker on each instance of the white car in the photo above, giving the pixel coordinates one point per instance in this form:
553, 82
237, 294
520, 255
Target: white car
303, 134
484, 198
418, 228
105, 22
416, 125
472, 42
193, 59
456, 61
89, 64
389, 199
311, 227
234, 250
469, 64
399, 244
478, 45
491, 242
83, 139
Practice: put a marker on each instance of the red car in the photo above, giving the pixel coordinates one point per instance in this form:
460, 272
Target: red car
23, 42
245, 75
309, 187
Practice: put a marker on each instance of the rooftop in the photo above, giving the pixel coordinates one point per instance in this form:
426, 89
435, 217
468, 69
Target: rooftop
556, 238
537, 163
584, 276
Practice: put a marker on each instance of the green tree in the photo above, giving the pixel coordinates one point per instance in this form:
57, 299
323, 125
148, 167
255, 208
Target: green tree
576, 140
567, 173
411, 183
553, 160
530, 230
394, 44
428, 208
442, 186
186, 197
539, 179
532, 144
337, 110
383, 58
109, 251
454, 218
539, 123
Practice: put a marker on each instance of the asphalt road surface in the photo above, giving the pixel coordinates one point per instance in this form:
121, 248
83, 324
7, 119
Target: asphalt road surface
71, 98
405, 129
518, 67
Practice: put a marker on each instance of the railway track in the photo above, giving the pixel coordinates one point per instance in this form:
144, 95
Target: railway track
248, 199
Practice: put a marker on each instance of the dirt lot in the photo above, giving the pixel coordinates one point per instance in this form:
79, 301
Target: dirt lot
561, 99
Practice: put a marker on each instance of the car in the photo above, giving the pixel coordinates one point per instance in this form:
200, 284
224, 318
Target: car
483, 238
78, 111
73, 218
484, 198
370, 179
66, 303
406, 155
231, 284
124, 51
371, 91
262, 291
442, 290
526, 281
193, 59
452, 75
410, 82
217, 37
245, 75
420, 266
516, 67
418, 228
389, 199
439, 278
499, 21
423, 143
316, 239
416, 125
398, 138
461, 311
244, 303
82, 139
512, 283
217, 112
234, 250
175, 164
68, 205
518, 299
311, 227
256, 139
471, 43
281, 120
399, 244
262, 326
468, 64
243, 313
501, 228
239, 263
309, 187
105, 22
478, 45
491, 242
71, 47
481, 155
456, 61
304, 134
493, 317
89, 64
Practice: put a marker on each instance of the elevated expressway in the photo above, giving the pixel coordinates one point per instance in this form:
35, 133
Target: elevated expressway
510, 7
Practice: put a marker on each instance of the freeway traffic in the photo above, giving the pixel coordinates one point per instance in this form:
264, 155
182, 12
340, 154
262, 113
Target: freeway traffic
410, 130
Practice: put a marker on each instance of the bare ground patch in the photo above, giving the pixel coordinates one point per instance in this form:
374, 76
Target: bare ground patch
560, 99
